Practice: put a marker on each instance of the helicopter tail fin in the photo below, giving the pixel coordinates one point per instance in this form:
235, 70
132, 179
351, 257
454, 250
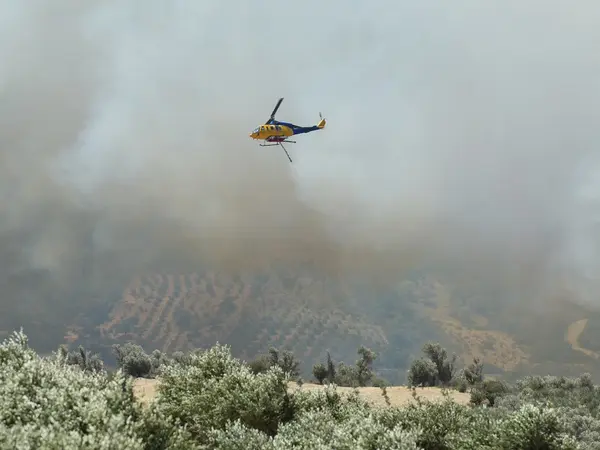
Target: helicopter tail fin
322, 122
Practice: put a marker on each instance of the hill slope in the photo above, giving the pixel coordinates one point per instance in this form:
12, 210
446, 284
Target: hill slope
310, 315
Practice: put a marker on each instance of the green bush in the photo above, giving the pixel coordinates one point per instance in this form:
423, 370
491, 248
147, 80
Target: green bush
488, 392
213, 388
422, 373
51, 403
320, 372
133, 360
364, 366
359, 375
81, 358
473, 373
434, 370
260, 364
284, 360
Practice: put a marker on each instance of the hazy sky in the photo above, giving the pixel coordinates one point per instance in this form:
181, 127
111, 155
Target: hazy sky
465, 132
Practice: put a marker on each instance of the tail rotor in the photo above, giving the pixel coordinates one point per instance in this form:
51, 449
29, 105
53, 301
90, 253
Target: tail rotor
322, 122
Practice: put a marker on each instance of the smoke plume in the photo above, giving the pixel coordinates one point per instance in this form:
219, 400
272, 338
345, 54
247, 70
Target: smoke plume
457, 134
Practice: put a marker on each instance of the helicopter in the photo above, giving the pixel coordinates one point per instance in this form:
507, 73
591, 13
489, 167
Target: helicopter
274, 132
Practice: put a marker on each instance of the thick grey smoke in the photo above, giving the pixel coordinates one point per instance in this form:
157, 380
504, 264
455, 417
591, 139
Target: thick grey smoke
458, 134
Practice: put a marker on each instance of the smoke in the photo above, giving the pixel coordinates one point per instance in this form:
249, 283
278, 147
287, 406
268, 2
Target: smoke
458, 134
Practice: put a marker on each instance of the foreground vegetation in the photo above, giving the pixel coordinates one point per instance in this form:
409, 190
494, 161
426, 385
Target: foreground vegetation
209, 399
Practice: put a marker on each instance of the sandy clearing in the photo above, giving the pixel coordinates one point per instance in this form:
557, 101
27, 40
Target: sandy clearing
145, 390
572, 337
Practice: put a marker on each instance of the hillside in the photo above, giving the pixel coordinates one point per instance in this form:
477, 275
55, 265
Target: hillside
250, 313
310, 315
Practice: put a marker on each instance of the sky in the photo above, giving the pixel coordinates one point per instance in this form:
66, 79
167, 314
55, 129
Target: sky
463, 133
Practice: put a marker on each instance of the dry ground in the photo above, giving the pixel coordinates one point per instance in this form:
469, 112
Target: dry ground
146, 389
572, 337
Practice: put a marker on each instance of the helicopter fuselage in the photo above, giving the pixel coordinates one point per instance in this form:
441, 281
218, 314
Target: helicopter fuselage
277, 129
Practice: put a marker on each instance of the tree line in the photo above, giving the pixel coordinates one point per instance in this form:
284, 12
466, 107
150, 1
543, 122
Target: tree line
208, 399
435, 368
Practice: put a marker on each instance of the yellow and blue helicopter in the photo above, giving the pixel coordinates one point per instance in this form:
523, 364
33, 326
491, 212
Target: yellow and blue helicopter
275, 132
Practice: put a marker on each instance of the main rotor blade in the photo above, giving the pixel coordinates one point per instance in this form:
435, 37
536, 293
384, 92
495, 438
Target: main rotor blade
275, 109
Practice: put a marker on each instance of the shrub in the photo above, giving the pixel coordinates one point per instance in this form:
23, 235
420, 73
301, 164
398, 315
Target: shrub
346, 376
319, 372
422, 372
237, 436
158, 359
133, 360
445, 367
436, 369
331, 372
260, 364
284, 360
473, 373
533, 427
81, 358
489, 391
320, 429
361, 374
364, 366
459, 382
48, 403
214, 388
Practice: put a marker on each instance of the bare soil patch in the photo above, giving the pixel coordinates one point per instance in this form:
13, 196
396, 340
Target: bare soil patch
572, 337
145, 390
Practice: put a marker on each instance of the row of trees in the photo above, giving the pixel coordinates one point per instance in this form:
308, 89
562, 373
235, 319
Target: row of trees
134, 361
435, 368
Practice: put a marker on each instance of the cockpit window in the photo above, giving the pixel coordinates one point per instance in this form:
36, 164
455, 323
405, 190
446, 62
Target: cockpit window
256, 130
